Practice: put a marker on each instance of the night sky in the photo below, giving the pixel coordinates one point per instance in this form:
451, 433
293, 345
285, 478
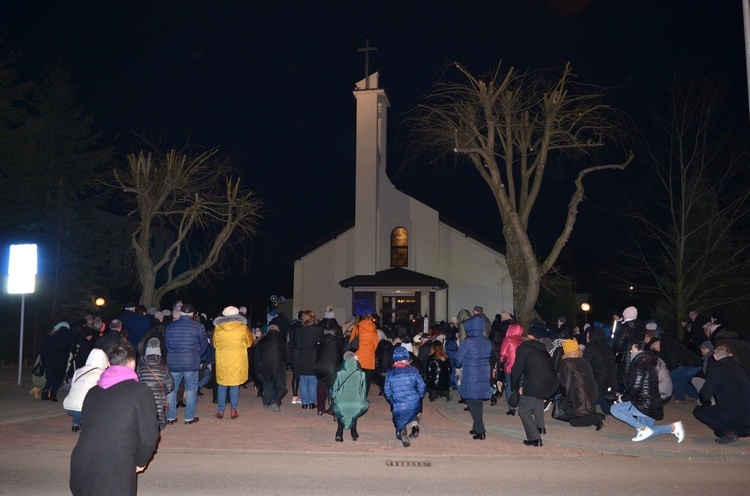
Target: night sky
271, 81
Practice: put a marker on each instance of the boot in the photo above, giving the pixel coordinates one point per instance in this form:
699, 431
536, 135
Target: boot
340, 433
53, 397
45, 395
493, 400
353, 430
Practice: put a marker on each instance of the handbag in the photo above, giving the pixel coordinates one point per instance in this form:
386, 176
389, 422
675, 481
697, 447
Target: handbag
353, 345
557, 412
513, 399
39, 370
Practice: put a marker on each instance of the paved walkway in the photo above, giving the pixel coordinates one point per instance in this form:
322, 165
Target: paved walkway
27, 422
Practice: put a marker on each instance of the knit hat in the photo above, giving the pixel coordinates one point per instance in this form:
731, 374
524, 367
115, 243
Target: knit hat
651, 325
349, 355
151, 310
708, 345
329, 313
187, 308
630, 313
230, 310
166, 312
569, 346
400, 353
478, 309
153, 347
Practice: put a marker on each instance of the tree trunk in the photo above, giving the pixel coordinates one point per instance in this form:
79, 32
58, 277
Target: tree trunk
525, 288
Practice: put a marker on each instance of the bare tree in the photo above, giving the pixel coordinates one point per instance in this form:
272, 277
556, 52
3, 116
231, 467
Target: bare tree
511, 126
189, 194
688, 246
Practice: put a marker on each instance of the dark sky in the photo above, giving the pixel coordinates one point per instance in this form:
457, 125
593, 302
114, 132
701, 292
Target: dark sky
271, 81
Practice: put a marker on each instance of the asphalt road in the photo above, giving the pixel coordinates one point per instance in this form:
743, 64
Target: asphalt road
38, 471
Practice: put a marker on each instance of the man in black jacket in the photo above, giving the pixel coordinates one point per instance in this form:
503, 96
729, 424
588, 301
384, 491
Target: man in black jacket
728, 383
602, 360
533, 376
641, 405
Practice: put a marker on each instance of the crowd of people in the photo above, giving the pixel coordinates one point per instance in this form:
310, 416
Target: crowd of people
630, 371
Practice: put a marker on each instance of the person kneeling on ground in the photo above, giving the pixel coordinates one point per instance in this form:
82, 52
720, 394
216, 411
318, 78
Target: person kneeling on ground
404, 390
349, 396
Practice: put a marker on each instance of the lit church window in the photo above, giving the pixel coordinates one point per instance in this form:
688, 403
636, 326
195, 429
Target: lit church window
399, 247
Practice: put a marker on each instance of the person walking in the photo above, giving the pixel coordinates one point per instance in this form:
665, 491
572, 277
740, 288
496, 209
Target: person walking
511, 342
56, 350
533, 376
349, 396
473, 358
231, 339
152, 371
121, 430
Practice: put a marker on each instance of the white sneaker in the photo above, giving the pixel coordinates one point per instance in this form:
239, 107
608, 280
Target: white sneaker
296, 400
679, 431
643, 433
549, 405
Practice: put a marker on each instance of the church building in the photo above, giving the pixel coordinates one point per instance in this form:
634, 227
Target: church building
399, 258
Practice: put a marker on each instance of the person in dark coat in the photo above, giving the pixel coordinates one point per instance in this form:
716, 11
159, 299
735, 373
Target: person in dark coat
630, 331
682, 363
578, 387
306, 338
404, 389
328, 358
383, 362
121, 430
349, 396
270, 367
640, 406
84, 344
110, 337
602, 360
152, 371
728, 383
533, 376
438, 372
139, 325
56, 349
473, 358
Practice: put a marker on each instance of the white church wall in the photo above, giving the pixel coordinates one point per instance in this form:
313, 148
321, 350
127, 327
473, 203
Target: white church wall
317, 276
474, 273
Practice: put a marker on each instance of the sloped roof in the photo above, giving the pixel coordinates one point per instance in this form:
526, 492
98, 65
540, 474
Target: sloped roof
395, 277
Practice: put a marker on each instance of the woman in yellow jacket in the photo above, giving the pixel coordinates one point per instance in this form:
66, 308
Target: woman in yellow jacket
231, 339
368, 342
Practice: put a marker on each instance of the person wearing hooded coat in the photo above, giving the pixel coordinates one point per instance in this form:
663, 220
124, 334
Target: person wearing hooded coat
56, 349
328, 358
152, 371
473, 358
578, 387
533, 376
404, 390
231, 339
84, 379
630, 331
349, 396
121, 430
511, 342
602, 360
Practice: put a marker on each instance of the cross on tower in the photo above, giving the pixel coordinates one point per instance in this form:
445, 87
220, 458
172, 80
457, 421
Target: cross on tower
367, 49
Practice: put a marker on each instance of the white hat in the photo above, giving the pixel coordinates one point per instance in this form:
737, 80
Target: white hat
230, 310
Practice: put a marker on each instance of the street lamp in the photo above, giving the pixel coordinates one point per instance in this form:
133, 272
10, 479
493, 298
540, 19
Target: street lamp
585, 307
100, 302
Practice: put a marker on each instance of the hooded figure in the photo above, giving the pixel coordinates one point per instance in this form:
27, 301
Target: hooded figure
84, 379
473, 358
404, 389
349, 397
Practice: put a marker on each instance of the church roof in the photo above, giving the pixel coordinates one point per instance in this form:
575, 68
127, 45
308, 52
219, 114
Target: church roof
396, 277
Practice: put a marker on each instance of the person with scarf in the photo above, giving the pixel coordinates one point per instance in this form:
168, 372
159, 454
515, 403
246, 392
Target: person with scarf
121, 430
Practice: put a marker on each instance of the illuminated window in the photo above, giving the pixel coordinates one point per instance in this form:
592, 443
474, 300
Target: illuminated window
399, 247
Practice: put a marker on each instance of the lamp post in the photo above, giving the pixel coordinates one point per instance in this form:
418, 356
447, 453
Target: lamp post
585, 307
22, 267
